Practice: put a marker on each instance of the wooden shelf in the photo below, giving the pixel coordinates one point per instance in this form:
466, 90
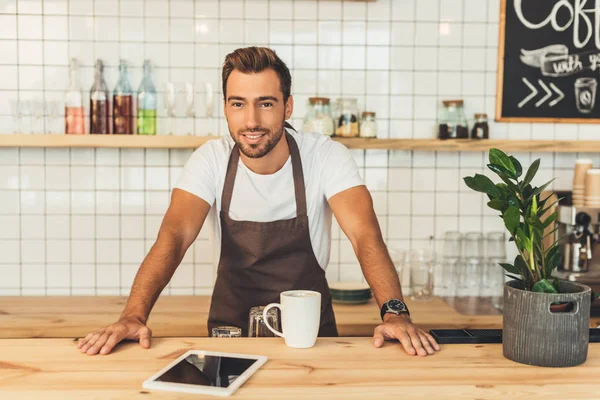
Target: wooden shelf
192, 142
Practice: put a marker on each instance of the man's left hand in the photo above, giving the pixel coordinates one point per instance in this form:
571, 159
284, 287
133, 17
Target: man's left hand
413, 339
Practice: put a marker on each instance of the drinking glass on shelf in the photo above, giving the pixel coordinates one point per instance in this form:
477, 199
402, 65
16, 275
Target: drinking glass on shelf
37, 110
493, 278
421, 274
26, 123
471, 265
16, 108
170, 98
448, 277
50, 114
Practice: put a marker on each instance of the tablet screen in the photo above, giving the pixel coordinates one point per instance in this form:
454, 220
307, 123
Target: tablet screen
206, 370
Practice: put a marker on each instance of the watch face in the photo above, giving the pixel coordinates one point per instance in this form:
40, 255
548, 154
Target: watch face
396, 305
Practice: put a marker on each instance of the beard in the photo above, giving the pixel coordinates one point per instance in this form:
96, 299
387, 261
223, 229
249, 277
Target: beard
268, 142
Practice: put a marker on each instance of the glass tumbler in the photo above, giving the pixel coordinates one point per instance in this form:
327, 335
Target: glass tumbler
256, 323
421, 275
471, 265
226, 331
448, 278
493, 279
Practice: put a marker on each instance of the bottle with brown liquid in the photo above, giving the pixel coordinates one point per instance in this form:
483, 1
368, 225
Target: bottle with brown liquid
123, 103
99, 102
74, 119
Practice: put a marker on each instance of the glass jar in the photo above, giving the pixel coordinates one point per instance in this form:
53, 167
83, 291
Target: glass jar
368, 125
481, 128
453, 122
318, 116
347, 118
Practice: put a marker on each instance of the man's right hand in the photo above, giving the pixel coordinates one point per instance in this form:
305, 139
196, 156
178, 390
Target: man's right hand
104, 340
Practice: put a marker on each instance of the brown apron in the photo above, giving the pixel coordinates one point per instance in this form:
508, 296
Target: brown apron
259, 260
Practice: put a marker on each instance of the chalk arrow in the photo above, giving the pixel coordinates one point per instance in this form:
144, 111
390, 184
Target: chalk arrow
533, 93
546, 97
559, 92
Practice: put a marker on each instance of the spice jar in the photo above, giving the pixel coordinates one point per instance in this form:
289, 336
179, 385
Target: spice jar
318, 116
481, 128
347, 118
453, 122
368, 125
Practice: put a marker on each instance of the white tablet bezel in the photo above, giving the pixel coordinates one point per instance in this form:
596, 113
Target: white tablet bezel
150, 383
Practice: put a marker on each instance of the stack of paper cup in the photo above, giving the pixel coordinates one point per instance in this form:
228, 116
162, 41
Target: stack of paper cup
592, 188
582, 166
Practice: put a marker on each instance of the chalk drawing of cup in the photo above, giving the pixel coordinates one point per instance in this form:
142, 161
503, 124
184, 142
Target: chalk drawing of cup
585, 94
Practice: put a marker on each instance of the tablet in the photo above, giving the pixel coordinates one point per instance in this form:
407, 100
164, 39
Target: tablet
206, 372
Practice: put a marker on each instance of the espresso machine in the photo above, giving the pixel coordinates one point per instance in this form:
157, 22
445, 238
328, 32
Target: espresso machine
579, 234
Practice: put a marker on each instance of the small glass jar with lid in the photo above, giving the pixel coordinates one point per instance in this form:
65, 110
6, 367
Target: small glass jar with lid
480, 128
368, 125
347, 117
453, 122
318, 116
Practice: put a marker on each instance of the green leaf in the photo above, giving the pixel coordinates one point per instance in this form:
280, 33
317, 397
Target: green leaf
498, 157
497, 204
518, 167
481, 183
552, 260
512, 219
521, 265
521, 239
556, 284
551, 218
539, 190
515, 277
503, 173
510, 268
544, 286
533, 168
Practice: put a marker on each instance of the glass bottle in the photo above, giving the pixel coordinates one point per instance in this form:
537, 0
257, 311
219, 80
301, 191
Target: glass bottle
368, 125
123, 103
318, 116
99, 102
74, 122
453, 122
147, 103
347, 118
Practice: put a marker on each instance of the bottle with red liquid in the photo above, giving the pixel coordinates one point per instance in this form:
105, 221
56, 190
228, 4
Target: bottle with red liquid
74, 116
99, 102
123, 103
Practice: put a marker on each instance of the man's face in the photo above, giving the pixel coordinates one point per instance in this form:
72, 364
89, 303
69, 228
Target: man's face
255, 111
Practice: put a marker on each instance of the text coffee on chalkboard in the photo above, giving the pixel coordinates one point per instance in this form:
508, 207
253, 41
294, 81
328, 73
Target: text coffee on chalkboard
549, 61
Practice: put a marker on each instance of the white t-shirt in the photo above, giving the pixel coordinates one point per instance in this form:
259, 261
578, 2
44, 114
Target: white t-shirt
328, 168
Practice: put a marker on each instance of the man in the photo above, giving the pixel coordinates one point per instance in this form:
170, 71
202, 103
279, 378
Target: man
275, 190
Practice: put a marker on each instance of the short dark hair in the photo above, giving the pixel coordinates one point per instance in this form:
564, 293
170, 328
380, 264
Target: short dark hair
254, 60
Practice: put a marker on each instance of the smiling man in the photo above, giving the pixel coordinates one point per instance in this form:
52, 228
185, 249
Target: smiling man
275, 191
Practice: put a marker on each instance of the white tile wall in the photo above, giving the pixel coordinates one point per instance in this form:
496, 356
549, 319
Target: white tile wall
80, 221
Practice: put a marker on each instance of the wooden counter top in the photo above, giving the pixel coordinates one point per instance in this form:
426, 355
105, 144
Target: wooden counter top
336, 368
62, 317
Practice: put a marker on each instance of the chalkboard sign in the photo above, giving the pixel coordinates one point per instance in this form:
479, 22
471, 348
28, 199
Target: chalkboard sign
549, 61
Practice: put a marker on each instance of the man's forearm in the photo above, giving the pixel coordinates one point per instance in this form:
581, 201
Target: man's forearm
378, 268
153, 275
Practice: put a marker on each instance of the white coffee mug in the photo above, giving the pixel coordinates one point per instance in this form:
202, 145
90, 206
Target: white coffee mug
300, 317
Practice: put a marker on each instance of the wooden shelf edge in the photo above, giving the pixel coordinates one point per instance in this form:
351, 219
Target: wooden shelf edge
114, 141
193, 142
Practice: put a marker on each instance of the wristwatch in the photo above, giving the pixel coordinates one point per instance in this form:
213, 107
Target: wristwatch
394, 306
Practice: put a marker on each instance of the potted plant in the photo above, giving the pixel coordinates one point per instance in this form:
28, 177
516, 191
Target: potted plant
545, 320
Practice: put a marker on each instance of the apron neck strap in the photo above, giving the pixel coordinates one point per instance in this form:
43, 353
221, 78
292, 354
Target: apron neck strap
299, 188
